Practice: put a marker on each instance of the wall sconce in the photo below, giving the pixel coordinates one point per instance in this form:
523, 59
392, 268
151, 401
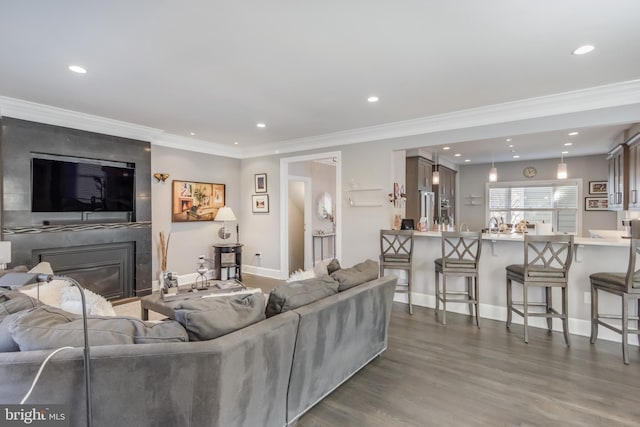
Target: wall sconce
161, 176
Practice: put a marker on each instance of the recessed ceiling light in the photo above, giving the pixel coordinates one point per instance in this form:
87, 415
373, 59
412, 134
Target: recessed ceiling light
373, 99
510, 145
516, 157
568, 144
513, 151
583, 49
446, 148
467, 160
565, 152
261, 125
457, 155
574, 133
509, 139
77, 69
235, 143
192, 133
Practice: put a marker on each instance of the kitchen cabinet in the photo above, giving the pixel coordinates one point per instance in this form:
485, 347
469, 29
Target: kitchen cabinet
418, 172
618, 185
445, 193
634, 172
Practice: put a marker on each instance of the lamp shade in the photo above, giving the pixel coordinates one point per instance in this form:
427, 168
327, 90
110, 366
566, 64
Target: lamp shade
562, 170
5, 252
225, 214
493, 174
435, 177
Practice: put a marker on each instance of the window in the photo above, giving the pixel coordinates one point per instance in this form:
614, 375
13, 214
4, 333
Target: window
551, 202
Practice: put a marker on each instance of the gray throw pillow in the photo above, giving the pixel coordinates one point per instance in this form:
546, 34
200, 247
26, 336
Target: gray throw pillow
12, 304
356, 275
209, 318
333, 266
296, 294
49, 327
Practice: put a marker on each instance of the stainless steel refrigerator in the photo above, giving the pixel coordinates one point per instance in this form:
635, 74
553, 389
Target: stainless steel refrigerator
427, 208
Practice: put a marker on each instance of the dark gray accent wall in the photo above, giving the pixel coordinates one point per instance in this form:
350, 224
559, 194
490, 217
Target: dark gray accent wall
19, 139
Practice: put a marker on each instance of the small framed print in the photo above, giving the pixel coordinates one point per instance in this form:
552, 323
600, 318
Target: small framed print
260, 203
598, 187
261, 183
596, 203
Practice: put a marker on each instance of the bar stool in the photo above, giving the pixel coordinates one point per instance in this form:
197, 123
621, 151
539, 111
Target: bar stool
396, 253
625, 285
460, 258
547, 260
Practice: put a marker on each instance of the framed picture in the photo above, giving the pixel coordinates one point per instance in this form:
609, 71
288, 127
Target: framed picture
261, 183
596, 203
195, 201
598, 187
260, 203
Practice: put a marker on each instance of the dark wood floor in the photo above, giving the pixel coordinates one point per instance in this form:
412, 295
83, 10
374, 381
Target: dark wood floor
457, 375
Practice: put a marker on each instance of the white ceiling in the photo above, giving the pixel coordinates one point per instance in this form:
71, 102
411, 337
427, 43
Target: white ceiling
305, 68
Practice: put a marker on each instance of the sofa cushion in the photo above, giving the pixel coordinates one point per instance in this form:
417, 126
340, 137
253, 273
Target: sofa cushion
11, 304
296, 294
209, 318
356, 275
49, 327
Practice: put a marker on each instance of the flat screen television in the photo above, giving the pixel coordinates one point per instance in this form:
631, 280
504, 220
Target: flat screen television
81, 185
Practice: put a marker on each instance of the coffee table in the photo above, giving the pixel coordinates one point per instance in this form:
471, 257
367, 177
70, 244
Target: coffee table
154, 302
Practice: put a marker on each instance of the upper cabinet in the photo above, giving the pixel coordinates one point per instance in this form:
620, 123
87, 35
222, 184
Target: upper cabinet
445, 193
633, 145
618, 159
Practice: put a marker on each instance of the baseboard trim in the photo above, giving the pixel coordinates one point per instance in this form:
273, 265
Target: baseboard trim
493, 312
265, 272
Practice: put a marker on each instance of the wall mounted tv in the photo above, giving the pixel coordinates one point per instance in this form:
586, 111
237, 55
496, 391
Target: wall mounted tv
67, 184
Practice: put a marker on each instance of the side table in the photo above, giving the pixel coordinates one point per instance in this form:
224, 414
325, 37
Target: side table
227, 256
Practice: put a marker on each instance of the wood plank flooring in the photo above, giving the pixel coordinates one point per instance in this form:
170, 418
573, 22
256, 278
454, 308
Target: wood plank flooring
458, 375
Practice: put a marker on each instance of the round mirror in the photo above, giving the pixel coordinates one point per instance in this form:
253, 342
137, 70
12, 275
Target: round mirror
325, 207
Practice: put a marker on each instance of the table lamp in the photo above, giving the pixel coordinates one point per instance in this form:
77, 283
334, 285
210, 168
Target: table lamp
225, 214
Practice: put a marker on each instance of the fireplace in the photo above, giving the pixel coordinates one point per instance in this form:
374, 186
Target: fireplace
106, 269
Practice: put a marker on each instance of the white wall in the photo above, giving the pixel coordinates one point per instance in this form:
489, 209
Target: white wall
189, 239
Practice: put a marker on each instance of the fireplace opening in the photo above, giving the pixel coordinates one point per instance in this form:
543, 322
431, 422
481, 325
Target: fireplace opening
106, 269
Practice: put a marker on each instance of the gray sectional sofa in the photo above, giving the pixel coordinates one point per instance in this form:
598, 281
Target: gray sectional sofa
267, 374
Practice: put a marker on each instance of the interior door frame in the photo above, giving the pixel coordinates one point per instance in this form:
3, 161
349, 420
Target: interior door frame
284, 204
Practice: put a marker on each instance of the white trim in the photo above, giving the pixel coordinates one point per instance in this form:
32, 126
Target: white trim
576, 326
264, 272
284, 201
594, 98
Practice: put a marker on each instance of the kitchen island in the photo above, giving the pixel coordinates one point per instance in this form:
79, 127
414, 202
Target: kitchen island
591, 255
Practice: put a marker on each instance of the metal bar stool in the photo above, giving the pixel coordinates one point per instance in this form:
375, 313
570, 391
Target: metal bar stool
625, 285
547, 260
396, 253
460, 258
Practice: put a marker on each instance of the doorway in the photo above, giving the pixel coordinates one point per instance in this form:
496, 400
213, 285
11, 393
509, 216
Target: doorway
311, 178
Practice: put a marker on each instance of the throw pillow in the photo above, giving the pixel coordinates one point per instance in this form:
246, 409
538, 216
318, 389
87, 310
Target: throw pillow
333, 266
59, 293
301, 275
12, 304
356, 275
209, 318
296, 294
47, 327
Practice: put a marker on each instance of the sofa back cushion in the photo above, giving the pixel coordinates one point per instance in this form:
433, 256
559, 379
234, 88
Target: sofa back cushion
209, 318
356, 275
47, 327
296, 294
12, 303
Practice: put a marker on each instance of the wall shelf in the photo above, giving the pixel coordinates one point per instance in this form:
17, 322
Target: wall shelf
364, 197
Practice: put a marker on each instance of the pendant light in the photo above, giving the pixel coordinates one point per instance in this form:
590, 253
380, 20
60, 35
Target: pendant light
435, 176
493, 172
562, 168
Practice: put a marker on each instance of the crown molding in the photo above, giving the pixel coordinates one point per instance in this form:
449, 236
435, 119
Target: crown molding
594, 98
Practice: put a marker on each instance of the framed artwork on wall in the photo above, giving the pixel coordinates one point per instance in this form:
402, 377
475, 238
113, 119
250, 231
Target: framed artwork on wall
196, 201
261, 183
596, 203
598, 187
260, 203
